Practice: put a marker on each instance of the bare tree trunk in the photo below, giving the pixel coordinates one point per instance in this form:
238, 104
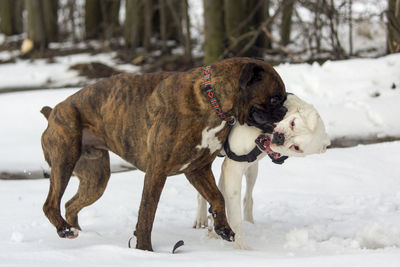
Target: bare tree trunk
242, 18
350, 27
334, 25
175, 19
101, 18
286, 24
393, 14
318, 25
214, 30
171, 13
11, 16
234, 25
92, 19
50, 9
42, 21
163, 25
188, 41
134, 23
71, 9
262, 15
110, 18
148, 18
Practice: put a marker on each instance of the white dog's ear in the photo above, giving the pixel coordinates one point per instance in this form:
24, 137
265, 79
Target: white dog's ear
325, 146
312, 120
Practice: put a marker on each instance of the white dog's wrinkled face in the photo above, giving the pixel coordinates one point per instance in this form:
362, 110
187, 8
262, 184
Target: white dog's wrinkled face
302, 129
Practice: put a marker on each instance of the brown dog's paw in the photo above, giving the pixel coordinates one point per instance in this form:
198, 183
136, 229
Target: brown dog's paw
67, 232
226, 233
147, 247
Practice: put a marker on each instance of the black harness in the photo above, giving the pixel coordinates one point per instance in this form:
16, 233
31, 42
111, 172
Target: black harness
250, 157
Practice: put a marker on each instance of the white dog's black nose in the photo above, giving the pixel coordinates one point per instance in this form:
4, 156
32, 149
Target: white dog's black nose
278, 139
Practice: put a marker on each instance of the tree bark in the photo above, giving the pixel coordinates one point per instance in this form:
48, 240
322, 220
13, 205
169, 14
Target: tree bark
110, 18
101, 18
393, 14
262, 15
42, 21
242, 18
11, 16
286, 23
92, 19
148, 19
214, 30
134, 23
188, 41
235, 24
50, 9
163, 26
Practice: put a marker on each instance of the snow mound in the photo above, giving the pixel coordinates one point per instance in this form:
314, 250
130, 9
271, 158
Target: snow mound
376, 236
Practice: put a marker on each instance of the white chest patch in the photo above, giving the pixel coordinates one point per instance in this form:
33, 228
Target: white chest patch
209, 139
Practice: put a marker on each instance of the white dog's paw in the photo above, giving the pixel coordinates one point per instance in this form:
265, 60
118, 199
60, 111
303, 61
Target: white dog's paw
248, 210
249, 217
200, 222
211, 232
240, 244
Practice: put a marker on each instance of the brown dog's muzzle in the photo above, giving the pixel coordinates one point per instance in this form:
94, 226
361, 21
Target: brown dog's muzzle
265, 120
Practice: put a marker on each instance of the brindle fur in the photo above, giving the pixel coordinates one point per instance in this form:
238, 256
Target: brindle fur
154, 121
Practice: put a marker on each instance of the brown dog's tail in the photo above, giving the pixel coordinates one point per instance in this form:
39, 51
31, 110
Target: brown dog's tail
46, 110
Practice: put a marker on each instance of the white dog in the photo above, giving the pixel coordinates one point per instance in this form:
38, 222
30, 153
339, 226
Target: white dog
300, 133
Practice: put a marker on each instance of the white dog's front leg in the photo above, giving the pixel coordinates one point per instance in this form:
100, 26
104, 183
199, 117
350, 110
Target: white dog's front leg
230, 185
201, 216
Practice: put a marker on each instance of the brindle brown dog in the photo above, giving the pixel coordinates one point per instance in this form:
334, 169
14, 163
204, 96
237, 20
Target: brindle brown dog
163, 124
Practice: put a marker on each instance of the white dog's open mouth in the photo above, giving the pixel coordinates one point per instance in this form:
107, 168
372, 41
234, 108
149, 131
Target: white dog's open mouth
263, 142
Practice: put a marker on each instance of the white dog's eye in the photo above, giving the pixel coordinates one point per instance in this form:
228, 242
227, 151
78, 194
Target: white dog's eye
296, 148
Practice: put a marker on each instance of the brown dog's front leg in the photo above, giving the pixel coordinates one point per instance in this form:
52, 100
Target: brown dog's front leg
153, 185
203, 180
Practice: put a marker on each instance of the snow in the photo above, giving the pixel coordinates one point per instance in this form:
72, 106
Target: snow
344, 94
341, 208
41, 73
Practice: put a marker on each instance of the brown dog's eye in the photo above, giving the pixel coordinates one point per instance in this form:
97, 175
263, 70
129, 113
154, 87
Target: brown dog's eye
274, 100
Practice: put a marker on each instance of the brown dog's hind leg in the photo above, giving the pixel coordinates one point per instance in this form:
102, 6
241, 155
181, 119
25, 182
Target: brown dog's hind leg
61, 171
203, 180
93, 174
61, 144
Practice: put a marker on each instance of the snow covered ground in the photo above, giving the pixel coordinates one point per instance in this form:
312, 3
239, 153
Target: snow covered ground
341, 208
41, 73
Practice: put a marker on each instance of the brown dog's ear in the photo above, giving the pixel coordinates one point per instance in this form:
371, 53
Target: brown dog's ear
251, 74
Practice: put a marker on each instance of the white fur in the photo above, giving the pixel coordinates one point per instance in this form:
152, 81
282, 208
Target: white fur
309, 133
210, 140
201, 217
